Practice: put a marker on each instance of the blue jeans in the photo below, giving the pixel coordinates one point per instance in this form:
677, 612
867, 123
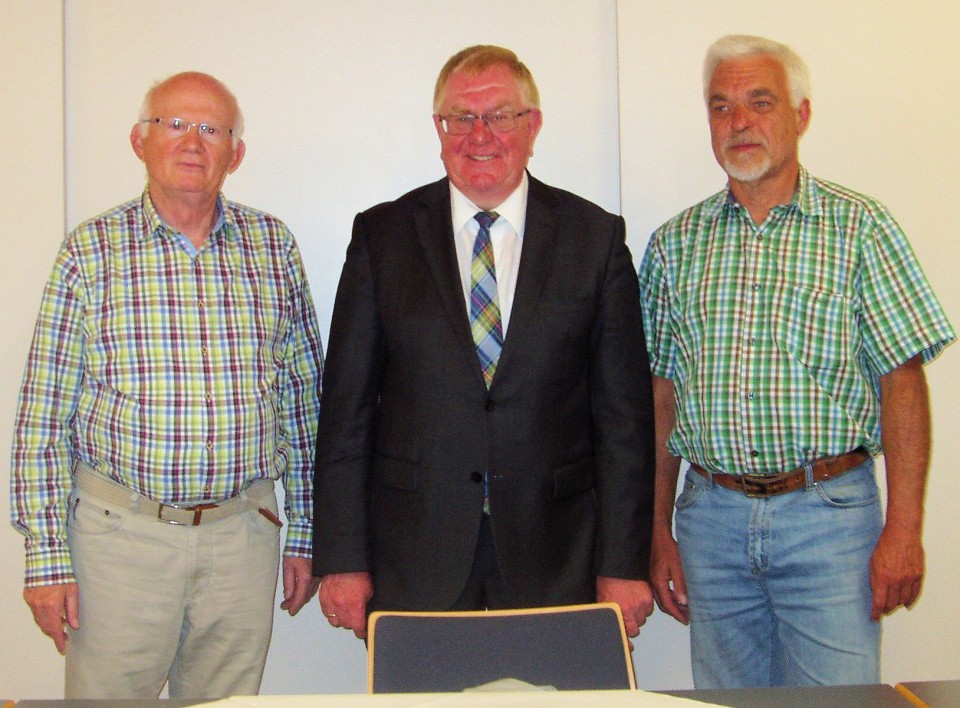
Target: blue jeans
779, 588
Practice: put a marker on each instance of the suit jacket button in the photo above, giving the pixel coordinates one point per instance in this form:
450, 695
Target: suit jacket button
476, 477
490, 404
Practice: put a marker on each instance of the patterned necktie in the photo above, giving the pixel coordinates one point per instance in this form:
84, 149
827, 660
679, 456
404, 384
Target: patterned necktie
485, 321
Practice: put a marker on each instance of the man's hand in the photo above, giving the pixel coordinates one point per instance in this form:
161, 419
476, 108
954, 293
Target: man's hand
299, 585
634, 597
666, 576
343, 600
54, 607
896, 571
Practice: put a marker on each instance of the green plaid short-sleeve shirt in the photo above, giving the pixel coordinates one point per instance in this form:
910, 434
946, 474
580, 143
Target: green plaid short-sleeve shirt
775, 335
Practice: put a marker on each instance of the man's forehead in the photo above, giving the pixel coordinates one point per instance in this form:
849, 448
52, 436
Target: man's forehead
193, 95
753, 75
470, 83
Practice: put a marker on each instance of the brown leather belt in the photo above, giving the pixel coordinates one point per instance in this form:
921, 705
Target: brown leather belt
754, 485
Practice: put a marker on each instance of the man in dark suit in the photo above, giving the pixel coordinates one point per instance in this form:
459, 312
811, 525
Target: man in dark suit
486, 428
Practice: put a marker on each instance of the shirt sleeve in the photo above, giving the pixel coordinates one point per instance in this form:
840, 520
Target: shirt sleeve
301, 386
655, 303
900, 317
42, 454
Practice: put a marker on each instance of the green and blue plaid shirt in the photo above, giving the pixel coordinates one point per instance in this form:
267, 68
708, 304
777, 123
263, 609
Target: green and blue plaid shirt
183, 378
775, 335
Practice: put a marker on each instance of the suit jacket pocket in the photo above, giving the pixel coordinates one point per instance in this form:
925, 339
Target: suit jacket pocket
573, 479
395, 473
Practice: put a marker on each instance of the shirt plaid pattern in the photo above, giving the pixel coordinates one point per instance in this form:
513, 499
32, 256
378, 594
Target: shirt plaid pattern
182, 378
775, 335
485, 323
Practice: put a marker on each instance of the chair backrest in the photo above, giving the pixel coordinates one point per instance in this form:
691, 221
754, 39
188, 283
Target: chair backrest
576, 647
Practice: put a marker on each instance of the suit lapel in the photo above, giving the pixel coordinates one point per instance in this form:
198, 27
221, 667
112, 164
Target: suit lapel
434, 229
537, 251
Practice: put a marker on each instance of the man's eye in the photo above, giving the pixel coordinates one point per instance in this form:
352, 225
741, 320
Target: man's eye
466, 119
210, 130
496, 117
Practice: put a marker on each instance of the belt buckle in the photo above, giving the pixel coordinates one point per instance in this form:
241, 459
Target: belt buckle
752, 488
172, 522
770, 486
197, 513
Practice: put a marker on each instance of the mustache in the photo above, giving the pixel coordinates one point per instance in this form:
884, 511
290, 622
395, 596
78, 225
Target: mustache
744, 140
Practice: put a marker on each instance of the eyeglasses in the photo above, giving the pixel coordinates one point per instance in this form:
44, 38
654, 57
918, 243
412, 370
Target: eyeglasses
497, 121
178, 127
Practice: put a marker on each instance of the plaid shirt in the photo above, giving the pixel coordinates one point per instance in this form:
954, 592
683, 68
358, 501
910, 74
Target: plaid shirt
182, 378
775, 335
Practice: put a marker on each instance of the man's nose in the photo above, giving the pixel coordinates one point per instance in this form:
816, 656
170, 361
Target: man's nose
741, 117
192, 137
480, 131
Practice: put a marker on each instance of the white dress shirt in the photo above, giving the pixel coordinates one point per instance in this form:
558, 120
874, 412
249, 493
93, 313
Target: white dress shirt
506, 234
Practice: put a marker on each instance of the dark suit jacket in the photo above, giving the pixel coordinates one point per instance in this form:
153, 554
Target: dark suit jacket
407, 426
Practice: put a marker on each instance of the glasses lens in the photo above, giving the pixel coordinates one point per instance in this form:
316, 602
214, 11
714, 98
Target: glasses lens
460, 124
175, 126
212, 133
501, 122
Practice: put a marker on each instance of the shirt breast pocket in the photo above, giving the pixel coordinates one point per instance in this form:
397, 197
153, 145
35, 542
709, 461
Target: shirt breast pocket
814, 327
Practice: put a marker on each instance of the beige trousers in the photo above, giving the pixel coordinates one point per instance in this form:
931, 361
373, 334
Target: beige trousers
158, 602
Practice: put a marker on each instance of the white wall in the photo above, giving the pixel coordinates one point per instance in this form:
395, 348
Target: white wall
886, 94
31, 228
337, 103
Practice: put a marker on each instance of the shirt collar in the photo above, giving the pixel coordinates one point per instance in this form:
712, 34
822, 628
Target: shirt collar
513, 208
154, 224
806, 199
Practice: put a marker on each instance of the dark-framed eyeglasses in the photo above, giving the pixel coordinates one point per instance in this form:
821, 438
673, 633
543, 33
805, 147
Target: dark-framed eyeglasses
497, 121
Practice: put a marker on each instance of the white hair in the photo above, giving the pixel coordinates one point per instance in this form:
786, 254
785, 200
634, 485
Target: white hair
738, 46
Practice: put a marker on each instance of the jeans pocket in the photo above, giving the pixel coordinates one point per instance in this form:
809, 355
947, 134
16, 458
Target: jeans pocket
854, 489
691, 492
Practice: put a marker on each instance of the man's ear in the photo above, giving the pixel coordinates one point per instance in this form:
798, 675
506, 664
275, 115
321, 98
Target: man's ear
136, 141
238, 152
803, 116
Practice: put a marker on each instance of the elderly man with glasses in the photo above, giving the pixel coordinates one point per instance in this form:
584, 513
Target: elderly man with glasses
486, 435
174, 375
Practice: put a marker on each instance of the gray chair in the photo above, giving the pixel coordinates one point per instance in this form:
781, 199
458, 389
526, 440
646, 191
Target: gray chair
577, 647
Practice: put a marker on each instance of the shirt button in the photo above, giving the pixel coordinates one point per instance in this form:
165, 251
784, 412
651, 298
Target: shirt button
476, 477
754, 453
750, 395
490, 405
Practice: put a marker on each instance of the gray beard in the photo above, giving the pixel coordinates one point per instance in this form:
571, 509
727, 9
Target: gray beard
748, 174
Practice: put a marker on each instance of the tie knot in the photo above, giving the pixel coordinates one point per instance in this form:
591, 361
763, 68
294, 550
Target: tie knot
486, 218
